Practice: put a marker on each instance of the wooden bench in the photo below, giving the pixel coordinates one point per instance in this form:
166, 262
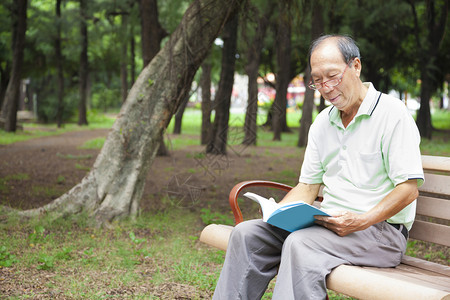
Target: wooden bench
414, 278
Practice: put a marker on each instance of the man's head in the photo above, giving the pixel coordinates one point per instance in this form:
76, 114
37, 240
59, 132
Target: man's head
345, 44
335, 71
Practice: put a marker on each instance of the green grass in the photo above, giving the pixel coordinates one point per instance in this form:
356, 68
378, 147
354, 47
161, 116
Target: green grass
145, 252
35, 130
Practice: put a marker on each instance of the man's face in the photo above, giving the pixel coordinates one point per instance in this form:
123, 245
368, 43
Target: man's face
327, 63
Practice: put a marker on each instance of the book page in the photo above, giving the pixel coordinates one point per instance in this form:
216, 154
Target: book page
267, 206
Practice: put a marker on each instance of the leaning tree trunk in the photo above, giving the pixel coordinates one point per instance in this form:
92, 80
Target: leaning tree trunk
114, 186
11, 101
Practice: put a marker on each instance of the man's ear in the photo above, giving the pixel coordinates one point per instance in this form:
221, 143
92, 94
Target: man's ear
357, 66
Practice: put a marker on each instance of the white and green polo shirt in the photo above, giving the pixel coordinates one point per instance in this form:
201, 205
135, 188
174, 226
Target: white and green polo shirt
361, 164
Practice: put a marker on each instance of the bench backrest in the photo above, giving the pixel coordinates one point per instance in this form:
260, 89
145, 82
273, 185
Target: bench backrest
433, 205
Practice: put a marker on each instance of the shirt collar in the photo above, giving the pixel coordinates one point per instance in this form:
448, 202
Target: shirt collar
367, 107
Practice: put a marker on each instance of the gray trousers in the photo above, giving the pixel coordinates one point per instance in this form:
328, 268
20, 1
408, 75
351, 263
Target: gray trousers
258, 251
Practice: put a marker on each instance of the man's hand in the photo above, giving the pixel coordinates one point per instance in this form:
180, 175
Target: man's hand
343, 223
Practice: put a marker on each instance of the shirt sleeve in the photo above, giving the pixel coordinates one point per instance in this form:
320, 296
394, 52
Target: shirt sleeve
312, 169
401, 149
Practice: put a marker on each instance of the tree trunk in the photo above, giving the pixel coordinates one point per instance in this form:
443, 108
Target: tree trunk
436, 18
4, 79
219, 135
424, 115
179, 115
205, 85
254, 58
59, 63
84, 66
132, 58
11, 100
308, 105
283, 49
151, 35
308, 102
114, 186
124, 58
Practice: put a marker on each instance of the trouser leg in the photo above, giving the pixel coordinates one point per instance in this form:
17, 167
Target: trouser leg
310, 254
251, 261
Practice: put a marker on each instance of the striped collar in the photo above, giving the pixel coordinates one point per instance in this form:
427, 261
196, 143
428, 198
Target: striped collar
367, 107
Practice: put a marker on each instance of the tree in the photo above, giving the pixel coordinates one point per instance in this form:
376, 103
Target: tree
428, 51
59, 64
152, 34
114, 186
10, 103
205, 85
219, 134
254, 50
283, 75
317, 28
84, 65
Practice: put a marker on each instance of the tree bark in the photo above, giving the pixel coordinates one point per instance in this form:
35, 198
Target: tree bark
283, 51
205, 85
84, 66
11, 100
152, 32
179, 115
219, 135
59, 64
124, 57
114, 186
151, 35
252, 67
317, 28
428, 53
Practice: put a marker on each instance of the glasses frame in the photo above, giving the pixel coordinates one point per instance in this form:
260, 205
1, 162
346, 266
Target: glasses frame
313, 86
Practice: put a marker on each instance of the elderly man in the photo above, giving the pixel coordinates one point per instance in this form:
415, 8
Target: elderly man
364, 149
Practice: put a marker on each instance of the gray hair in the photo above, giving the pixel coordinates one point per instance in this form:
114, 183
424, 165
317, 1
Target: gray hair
346, 45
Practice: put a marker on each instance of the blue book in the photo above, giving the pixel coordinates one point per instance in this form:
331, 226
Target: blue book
291, 216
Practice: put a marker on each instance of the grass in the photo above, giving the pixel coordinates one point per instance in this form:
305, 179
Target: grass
127, 255
141, 259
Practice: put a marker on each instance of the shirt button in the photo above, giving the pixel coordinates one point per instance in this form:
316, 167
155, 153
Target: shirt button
344, 147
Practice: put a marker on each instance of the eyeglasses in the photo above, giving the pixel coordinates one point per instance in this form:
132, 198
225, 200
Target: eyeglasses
329, 83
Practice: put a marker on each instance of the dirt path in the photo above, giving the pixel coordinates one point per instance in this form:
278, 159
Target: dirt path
34, 172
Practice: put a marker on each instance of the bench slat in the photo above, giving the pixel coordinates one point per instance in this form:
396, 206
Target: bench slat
381, 284
430, 232
436, 184
433, 207
436, 163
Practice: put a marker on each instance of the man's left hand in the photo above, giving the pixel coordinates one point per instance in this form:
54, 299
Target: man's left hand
342, 223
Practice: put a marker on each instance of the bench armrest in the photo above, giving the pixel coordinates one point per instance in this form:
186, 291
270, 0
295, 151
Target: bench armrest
238, 218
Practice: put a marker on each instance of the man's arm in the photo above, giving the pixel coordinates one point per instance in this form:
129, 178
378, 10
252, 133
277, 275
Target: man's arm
302, 192
347, 222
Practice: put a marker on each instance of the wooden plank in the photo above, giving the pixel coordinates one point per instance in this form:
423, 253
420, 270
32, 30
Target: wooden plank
436, 163
436, 184
433, 207
430, 232
426, 265
382, 283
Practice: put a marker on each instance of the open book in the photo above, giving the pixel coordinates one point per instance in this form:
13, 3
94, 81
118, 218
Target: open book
290, 216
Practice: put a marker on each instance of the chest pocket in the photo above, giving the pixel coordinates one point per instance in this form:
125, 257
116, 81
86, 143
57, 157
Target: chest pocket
366, 169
